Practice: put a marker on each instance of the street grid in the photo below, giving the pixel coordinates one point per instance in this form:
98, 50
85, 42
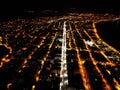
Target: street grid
45, 53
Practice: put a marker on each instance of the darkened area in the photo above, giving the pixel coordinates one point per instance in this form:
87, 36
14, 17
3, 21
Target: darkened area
110, 32
13, 9
3, 51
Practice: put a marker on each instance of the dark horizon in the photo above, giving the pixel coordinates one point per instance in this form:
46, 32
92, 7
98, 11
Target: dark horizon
10, 8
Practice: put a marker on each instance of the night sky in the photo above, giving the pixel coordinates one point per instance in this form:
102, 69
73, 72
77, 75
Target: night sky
12, 7
58, 3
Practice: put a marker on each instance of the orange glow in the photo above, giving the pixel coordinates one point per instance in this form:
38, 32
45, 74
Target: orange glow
101, 51
33, 87
1, 64
117, 85
37, 78
8, 85
82, 69
108, 72
5, 60
95, 30
44, 59
0, 38
24, 48
107, 86
39, 54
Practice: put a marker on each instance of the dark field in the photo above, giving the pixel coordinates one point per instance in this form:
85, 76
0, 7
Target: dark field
110, 32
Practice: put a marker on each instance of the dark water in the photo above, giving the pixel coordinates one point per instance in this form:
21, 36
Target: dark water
110, 32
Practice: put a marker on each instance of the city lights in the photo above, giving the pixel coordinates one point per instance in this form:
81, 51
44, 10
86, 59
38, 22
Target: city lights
58, 53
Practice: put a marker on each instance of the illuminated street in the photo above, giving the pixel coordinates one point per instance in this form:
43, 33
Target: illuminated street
58, 53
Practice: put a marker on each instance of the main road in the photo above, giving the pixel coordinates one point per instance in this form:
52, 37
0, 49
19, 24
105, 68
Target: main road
63, 71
